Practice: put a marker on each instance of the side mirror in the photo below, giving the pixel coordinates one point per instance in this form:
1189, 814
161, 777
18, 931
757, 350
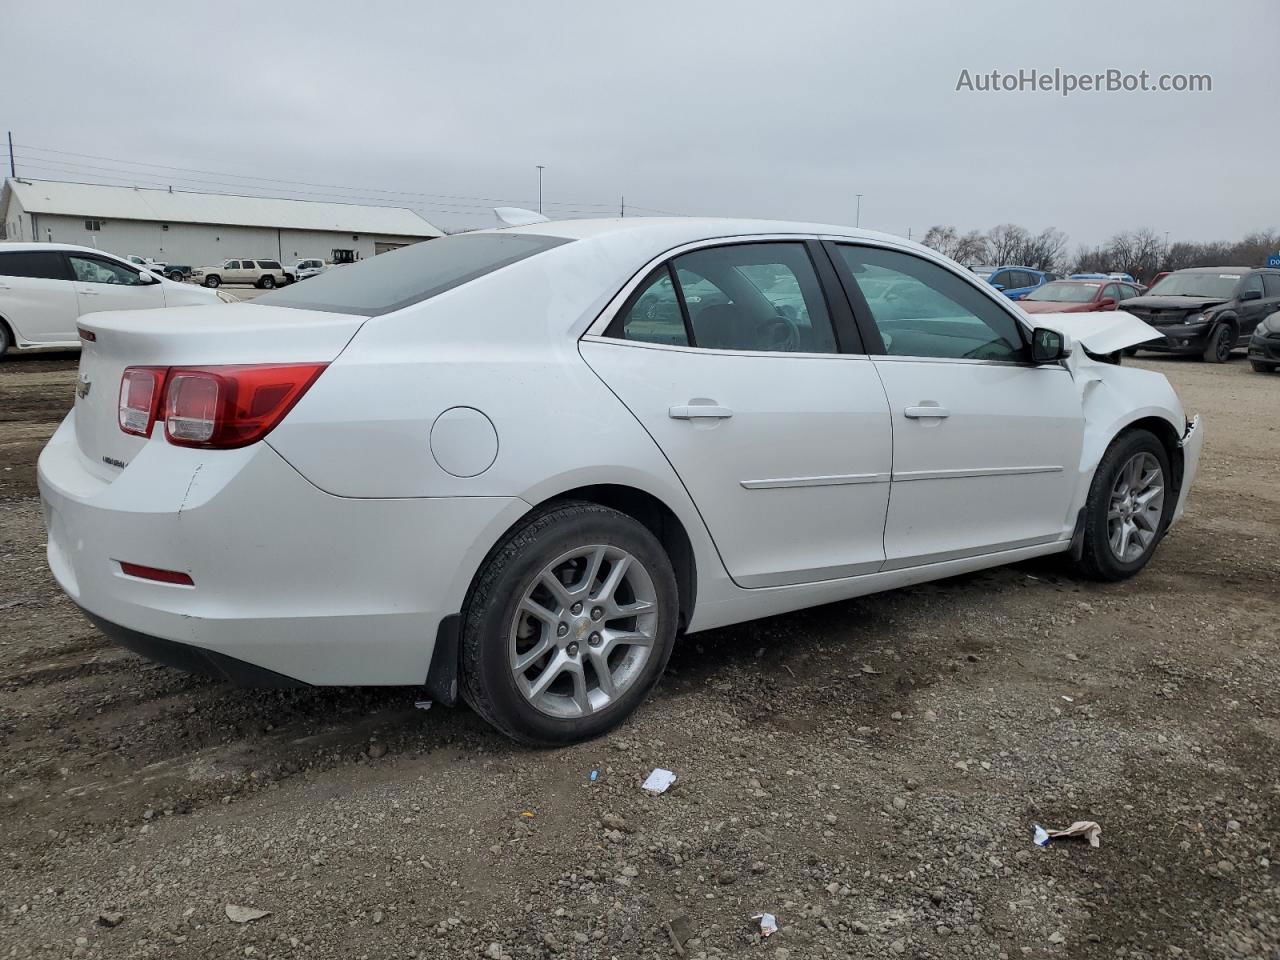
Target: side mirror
146, 278
1251, 295
1047, 346
1107, 302
998, 286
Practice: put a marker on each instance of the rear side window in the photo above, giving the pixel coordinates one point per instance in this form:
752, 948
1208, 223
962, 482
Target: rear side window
1272, 283
268, 265
35, 264
391, 281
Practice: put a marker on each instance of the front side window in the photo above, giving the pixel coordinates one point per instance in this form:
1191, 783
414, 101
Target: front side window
95, 270
1252, 282
231, 265
923, 310
33, 264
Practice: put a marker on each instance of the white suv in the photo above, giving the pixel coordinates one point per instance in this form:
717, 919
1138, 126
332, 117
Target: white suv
304, 269
46, 287
266, 274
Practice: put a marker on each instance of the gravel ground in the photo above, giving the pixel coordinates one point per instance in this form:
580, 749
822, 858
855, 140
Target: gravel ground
869, 772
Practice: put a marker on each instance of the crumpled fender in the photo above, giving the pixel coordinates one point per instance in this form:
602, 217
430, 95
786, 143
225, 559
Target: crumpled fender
1111, 398
1100, 332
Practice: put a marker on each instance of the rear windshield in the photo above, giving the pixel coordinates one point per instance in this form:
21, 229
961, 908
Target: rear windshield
410, 274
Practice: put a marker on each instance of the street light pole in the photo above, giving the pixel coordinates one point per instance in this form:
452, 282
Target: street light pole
540, 167
858, 222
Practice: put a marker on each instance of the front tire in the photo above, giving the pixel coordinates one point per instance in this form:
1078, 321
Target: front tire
569, 625
5, 340
1130, 351
1129, 503
1221, 342
176, 276
213, 281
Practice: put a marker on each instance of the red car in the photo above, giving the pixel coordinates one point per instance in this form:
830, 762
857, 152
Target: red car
1078, 296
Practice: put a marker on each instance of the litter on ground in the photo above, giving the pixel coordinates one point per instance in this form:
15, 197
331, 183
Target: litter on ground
658, 781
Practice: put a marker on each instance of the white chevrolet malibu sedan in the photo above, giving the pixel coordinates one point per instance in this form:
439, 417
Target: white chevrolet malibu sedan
514, 465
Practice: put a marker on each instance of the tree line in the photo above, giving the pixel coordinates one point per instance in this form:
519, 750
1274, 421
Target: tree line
1142, 253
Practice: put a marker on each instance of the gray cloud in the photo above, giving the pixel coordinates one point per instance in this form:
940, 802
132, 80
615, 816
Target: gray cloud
726, 108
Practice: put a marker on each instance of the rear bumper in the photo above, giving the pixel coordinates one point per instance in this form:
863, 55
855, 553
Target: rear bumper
288, 579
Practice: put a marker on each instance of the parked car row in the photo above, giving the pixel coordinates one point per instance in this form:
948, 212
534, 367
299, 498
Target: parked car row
45, 288
1205, 311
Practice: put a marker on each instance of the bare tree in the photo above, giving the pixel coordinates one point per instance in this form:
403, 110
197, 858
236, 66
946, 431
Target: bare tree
1006, 242
971, 248
943, 239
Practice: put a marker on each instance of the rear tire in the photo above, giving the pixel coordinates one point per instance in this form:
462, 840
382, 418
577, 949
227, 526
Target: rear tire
6, 341
268, 282
511, 613
213, 281
1220, 344
1114, 501
1130, 351
177, 276
1260, 366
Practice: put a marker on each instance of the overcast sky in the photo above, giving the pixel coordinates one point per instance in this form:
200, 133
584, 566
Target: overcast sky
777, 109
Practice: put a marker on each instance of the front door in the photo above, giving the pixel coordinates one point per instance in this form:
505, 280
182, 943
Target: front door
103, 284
728, 357
986, 446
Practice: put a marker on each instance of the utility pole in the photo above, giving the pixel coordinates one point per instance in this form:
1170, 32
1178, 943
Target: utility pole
12, 171
858, 222
540, 167
622, 206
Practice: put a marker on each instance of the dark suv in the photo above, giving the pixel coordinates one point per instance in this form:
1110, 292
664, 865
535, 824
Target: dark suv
1207, 310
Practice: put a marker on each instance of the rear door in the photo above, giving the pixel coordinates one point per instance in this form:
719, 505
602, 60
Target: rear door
37, 297
729, 357
1252, 312
104, 284
986, 446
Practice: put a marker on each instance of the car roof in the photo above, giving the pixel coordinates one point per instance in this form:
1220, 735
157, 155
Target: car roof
8, 246
680, 230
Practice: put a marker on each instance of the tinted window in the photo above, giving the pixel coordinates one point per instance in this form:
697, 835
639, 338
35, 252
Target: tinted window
269, 264
231, 265
95, 270
36, 264
755, 296
1271, 282
1002, 277
1023, 278
411, 274
923, 310
653, 313
1251, 282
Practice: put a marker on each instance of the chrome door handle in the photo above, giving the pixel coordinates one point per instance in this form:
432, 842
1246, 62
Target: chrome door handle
699, 411
926, 410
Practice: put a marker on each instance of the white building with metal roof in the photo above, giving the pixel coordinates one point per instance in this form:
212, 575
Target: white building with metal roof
176, 226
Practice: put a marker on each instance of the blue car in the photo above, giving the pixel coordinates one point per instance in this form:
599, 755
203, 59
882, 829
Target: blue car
1017, 282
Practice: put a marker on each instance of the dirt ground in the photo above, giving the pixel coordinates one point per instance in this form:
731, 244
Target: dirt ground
869, 772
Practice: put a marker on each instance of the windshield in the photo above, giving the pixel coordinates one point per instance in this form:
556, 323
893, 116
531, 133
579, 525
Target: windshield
390, 281
1065, 292
1220, 286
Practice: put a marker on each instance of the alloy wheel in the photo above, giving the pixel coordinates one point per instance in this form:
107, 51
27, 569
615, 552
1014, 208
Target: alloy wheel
583, 631
1136, 506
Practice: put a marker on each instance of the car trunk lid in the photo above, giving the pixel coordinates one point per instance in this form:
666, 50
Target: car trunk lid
185, 336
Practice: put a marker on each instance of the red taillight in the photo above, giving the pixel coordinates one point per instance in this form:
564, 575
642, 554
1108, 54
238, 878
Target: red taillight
140, 392
86, 334
232, 406
155, 573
